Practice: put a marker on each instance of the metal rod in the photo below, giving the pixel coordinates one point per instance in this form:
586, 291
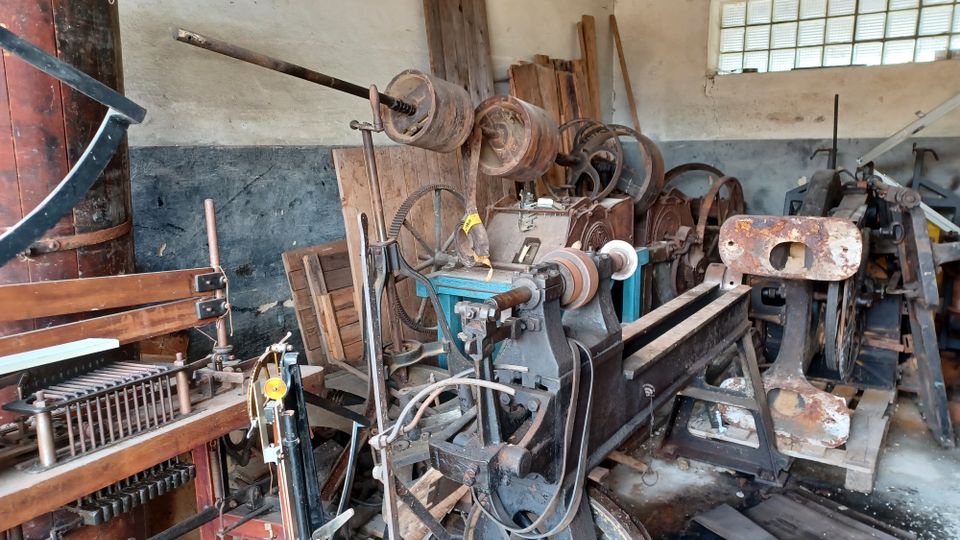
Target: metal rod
300, 72
183, 387
836, 121
44, 426
210, 214
70, 438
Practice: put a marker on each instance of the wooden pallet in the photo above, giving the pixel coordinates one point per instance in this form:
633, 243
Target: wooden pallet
323, 296
869, 424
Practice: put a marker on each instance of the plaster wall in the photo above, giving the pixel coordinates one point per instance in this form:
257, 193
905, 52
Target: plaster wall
666, 45
195, 97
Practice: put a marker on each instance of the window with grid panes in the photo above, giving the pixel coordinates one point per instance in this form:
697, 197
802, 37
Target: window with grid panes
782, 35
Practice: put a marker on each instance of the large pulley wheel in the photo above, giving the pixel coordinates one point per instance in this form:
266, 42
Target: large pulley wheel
595, 161
433, 238
610, 520
843, 321
579, 274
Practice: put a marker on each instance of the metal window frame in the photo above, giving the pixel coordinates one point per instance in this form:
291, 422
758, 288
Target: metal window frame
950, 34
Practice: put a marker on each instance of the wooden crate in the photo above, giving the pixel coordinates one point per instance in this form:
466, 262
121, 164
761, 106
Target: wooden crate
321, 283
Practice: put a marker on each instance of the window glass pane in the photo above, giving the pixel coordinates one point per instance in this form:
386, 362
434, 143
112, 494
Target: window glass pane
810, 32
870, 26
755, 60
955, 43
840, 30
809, 57
868, 54
782, 60
956, 19
784, 35
842, 7
758, 11
932, 2
731, 62
785, 10
901, 23
731, 39
810, 9
929, 48
758, 37
935, 20
734, 14
898, 52
837, 55
871, 6
902, 4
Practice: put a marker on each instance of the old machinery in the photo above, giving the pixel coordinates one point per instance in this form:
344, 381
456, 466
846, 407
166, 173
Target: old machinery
520, 140
121, 113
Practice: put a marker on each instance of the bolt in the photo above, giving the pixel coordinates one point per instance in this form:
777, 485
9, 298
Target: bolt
470, 476
505, 399
533, 405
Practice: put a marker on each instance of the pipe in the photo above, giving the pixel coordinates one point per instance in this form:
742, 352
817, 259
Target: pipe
44, 427
294, 462
183, 387
300, 72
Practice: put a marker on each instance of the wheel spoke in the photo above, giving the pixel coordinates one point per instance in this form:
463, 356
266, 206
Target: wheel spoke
449, 241
437, 218
417, 237
421, 310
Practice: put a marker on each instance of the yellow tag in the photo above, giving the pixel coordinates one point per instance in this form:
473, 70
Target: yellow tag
275, 388
471, 221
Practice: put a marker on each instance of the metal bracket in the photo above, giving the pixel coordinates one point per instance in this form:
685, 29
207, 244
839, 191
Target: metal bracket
209, 282
209, 308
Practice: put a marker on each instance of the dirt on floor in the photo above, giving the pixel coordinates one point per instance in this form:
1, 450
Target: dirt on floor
917, 487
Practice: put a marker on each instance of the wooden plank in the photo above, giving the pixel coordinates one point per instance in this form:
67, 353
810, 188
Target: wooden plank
451, 30
127, 327
310, 327
588, 48
726, 522
628, 460
481, 74
580, 82
628, 87
49, 298
323, 311
785, 518
437, 495
434, 28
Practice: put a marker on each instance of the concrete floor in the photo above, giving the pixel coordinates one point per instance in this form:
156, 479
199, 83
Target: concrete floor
917, 488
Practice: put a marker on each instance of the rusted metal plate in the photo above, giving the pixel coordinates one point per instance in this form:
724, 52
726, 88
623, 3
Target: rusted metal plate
792, 247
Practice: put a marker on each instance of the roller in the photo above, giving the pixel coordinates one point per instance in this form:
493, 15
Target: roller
520, 140
444, 112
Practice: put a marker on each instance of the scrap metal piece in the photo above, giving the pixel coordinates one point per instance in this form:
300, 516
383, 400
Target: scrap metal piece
792, 247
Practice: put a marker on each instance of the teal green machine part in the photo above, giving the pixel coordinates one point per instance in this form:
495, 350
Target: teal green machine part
462, 284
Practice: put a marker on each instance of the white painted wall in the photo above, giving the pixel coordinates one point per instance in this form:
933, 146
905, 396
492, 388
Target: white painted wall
666, 45
195, 97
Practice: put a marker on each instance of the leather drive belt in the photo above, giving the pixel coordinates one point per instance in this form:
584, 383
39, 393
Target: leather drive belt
75, 241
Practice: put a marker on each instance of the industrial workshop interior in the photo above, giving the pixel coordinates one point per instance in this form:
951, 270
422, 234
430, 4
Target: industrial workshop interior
479, 269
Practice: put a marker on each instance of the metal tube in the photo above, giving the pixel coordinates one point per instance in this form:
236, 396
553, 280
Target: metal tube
295, 468
183, 387
44, 426
510, 299
300, 72
210, 214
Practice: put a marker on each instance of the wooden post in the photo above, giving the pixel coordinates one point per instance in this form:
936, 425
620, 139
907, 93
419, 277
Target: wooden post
203, 484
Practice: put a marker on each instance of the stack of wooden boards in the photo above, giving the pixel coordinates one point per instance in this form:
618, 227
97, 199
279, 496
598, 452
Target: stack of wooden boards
323, 297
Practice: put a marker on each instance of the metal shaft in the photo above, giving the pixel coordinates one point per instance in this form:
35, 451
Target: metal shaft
210, 215
44, 426
300, 72
183, 387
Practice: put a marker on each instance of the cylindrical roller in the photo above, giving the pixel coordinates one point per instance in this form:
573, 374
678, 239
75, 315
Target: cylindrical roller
580, 276
520, 140
444, 116
624, 256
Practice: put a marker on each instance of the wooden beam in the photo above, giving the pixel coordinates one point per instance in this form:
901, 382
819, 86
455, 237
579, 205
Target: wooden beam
24, 301
437, 495
628, 87
24, 496
127, 327
587, 28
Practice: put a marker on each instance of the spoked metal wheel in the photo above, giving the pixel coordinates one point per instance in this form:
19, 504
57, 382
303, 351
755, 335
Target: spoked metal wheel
426, 222
595, 161
610, 520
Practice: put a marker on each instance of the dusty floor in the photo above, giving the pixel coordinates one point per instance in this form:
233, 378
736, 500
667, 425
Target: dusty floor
917, 489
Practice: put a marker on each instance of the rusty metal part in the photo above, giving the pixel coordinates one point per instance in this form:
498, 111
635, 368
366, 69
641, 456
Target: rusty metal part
444, 112
580, 276
792, 247
75, 241
520, 140
595, 159
680, 170
300, 72
510, 299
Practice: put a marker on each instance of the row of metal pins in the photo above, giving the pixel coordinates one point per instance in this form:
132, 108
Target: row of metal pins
111, 416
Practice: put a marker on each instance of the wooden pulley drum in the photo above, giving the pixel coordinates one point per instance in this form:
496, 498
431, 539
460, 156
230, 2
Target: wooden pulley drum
520, 140
444, 112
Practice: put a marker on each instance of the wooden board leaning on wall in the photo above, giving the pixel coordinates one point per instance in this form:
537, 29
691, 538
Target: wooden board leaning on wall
403, 170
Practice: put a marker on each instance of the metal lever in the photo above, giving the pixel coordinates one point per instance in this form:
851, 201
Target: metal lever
121, 113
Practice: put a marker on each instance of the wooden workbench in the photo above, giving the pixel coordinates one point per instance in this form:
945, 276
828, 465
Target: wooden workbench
24, 496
